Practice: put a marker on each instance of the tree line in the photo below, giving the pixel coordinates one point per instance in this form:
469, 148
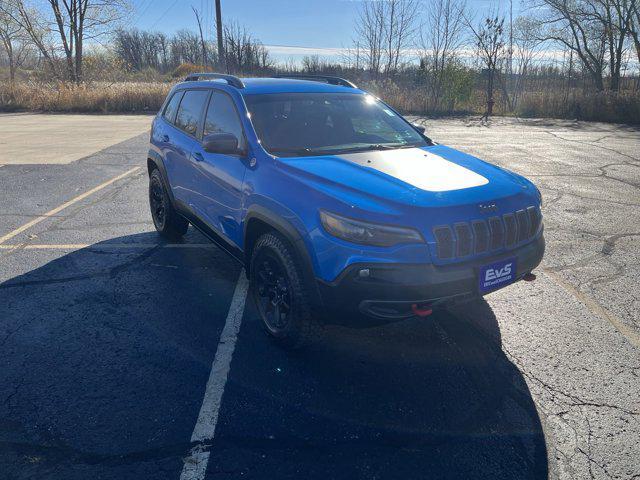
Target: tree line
442, 46
140, 50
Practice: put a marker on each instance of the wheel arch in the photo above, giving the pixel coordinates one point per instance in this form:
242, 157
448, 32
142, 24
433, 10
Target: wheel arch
154, 161
259, 220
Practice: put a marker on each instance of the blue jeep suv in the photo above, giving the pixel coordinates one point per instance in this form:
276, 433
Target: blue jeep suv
330, 199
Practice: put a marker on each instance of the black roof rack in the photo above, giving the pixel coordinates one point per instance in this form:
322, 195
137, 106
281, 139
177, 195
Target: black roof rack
320, 78
231, 79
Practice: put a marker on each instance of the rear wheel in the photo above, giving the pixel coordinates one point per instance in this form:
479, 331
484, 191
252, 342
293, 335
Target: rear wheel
165, 218
280, 294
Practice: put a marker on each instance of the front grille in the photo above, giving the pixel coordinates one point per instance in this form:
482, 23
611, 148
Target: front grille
535, 218
444, 241
464, 239
480, 236
497, 233
523, 225
510, 228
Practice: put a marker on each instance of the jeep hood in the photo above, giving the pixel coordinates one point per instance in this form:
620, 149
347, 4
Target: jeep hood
429, 176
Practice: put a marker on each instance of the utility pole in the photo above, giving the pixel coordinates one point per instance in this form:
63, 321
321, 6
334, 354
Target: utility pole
510, 82
221, 55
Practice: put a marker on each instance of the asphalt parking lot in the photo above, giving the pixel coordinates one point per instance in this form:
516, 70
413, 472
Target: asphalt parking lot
114, 346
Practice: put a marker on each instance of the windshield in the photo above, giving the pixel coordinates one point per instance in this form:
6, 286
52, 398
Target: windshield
305, 124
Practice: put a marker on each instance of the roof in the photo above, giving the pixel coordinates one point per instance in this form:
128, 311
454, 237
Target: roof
254, 86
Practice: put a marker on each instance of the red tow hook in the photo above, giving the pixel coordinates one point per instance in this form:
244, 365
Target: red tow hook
421, 311
529, 277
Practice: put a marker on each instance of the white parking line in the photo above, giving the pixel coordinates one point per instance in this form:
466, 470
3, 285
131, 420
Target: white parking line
595, 307
195, 465
105, 246
58, 209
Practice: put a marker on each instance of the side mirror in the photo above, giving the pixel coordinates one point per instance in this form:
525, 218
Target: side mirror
221, 143
419, 128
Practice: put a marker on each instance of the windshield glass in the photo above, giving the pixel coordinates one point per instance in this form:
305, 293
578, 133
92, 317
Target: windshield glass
305, 124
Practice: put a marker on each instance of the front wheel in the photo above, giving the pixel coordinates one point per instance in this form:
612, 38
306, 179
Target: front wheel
165, 218
280, 295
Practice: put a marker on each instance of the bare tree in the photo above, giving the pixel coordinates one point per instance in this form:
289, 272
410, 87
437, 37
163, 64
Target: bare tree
36, 27
369, 30
635, 27
399, 31
385, 28
13, 38
311, 64
242, 51
202, 42
616, 16
73, 22
185, 47
595, 30
489, 42
441, 36
527, 44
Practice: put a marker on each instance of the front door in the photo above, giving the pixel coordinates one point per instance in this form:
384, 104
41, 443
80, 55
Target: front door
218, 197
183, 140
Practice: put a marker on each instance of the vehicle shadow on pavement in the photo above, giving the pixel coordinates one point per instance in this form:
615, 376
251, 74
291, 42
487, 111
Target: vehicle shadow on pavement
105, 354
433, 398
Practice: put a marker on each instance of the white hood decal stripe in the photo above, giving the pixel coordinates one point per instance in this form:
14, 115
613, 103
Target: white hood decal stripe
419, 168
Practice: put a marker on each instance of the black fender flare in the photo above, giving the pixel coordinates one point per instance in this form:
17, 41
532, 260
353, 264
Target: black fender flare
155, 159
293, 236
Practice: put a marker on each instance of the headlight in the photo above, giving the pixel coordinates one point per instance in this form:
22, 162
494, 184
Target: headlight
367, 233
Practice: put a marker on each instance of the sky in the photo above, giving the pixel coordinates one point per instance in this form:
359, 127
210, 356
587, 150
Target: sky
289, 28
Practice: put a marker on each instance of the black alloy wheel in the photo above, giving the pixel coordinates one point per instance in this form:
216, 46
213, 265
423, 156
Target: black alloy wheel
280, 293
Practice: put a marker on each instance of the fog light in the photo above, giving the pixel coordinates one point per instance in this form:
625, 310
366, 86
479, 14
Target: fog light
364, 273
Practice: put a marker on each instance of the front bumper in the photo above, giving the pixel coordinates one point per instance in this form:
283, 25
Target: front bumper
390, 290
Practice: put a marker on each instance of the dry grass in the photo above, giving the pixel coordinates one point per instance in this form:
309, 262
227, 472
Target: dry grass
102, 97
623, 107
95, 97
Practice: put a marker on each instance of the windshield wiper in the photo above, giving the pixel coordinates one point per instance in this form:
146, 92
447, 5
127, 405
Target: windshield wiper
376, 146
303, 150
339, 150
386, 146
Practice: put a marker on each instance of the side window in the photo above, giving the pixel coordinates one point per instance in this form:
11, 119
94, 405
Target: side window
222, 117
172, 107
190, 110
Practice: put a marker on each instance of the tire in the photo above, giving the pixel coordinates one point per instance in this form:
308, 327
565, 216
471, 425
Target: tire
280, 295
165, 218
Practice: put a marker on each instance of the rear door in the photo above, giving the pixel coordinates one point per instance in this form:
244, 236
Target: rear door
218, 196
183, 140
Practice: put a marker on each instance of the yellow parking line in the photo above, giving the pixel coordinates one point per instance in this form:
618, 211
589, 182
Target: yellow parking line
56, 210
595, 308
77, 246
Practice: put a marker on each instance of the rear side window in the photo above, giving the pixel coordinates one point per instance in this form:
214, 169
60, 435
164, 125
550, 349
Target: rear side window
172, 107
222, 117
190, 110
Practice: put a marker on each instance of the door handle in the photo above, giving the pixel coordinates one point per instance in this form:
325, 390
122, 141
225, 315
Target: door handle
197, 156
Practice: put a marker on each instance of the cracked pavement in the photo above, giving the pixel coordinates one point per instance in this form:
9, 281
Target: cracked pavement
575, 336
106, 341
